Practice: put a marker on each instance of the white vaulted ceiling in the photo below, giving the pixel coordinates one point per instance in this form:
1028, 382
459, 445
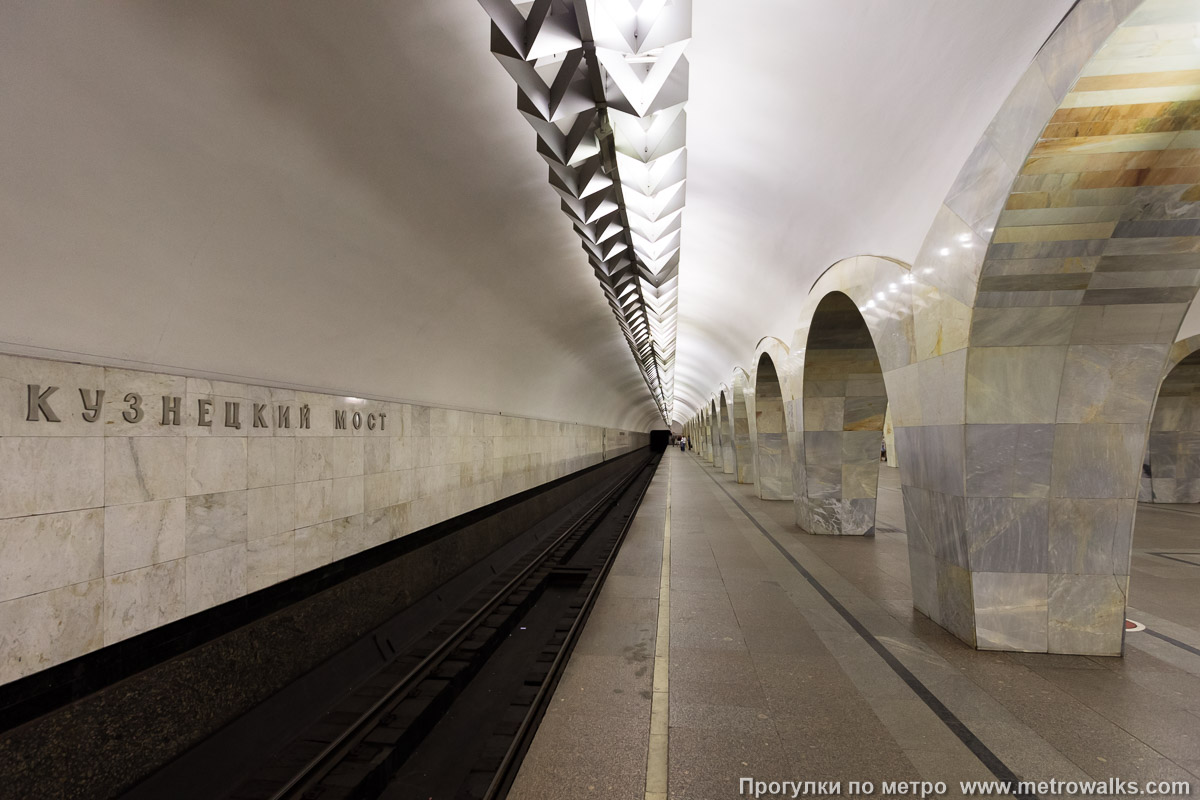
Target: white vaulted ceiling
345, 196
818, 131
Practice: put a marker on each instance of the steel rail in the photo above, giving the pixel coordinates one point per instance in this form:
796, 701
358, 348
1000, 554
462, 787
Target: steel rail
502, 780
329, 757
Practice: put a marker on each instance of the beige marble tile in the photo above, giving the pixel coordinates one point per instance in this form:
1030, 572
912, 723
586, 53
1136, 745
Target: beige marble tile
42, 475
348, 536
270, 560
314, 546
949, 259
1010, 611
823, 413
955, 601
50, 551
314, 503
1014, 384
982, 185
943, 325
270, 461
377, 454
1061, 58
141, 534
143, 599
40, 630
1028, 325
215, 521
215, 464
347, 497
923, 572
940, 390
1087, 614
270, 510
1110, 383
379, 491
314, 459
142, 468
347, 456
1020, 120
904, 395
215, 577
1097, 461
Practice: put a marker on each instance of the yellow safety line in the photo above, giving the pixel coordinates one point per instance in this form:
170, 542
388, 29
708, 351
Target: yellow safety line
656, 755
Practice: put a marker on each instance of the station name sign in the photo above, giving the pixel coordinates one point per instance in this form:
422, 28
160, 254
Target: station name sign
40, 408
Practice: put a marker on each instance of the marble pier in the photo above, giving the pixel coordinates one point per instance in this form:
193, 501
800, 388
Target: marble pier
1020, 354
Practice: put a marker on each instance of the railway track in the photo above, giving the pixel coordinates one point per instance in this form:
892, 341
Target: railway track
452, 716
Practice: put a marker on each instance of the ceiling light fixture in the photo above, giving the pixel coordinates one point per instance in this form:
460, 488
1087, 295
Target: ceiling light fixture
604, 84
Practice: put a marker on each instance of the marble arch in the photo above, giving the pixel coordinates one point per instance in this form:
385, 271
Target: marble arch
714, 427
728, 452
706, 434
844, 403
743, 450
767, 404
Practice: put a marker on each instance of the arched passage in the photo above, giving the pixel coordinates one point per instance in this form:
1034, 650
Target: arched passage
714, 427
843, 414
743, 449
772, 458
1173, 462
728, 455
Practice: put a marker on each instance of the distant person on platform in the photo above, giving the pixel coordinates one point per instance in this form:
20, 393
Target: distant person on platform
683, 442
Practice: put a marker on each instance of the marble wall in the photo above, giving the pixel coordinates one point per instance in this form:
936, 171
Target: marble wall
132, 499
1021, 350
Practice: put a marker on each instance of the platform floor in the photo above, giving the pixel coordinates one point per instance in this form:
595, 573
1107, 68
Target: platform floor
799, 657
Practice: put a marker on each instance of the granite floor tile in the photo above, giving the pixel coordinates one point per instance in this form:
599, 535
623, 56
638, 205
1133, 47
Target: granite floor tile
767, 680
